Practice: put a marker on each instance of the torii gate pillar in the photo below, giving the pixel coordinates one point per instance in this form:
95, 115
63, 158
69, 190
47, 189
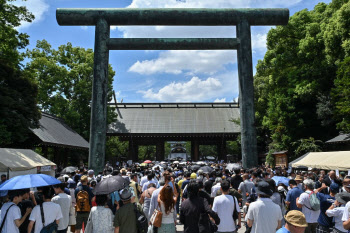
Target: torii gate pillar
104, 18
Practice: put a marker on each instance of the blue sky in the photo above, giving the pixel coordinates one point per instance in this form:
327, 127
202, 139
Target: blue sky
160, 76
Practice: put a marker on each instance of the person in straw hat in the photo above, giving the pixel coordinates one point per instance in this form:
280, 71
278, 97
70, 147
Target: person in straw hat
295, 222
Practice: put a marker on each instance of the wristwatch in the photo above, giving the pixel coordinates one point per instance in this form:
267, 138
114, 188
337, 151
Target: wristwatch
334, 205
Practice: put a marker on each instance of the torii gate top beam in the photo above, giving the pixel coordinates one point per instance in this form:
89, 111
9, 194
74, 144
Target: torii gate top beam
173, 16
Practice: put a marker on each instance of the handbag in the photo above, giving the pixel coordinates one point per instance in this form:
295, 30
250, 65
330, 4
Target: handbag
156, 218
52, 227
72, 218
89, 227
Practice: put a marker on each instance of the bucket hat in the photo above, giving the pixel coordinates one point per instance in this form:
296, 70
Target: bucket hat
296, 218
298, 177
264, 188
343, 198
125, 194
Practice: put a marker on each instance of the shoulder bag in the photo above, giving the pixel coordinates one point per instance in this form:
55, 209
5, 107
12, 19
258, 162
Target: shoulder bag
4, 220
156, 218
235, 214
52, 227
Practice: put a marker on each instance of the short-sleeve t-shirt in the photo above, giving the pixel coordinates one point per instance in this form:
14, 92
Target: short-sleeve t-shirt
23, 205
292, 196
265, 215
346, 212
13, 214
282, 230
310, 215
326, 201
224, 206
125, 219
52, 212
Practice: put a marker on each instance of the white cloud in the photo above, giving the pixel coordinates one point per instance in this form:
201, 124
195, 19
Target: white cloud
193, 90
259, 41
37, 7
222, 100
192, 61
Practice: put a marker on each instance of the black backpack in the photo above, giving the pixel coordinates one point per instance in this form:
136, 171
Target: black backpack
141, 220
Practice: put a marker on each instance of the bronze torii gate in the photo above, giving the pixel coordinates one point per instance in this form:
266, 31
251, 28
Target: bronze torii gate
104, 18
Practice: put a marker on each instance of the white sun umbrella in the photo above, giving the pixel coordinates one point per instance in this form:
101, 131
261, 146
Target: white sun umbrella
176, 162
160, 168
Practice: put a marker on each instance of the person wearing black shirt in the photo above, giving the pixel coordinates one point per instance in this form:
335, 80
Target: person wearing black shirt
23, 205
195, 212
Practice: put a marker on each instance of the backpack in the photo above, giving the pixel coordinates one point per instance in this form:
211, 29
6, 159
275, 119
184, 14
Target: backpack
82, 200
314, 202
141, 220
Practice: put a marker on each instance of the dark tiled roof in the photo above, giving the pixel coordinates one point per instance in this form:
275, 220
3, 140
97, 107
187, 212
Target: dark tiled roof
53, 131
175, 119
340, 138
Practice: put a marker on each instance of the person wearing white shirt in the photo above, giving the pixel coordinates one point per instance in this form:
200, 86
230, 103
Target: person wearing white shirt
336, 210
263, 215
65, 202
52, 212
13, 219
304, 202
150, 180
224, 205
216, 187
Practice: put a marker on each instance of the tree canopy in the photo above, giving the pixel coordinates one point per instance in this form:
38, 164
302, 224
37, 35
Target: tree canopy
64, 77
18, 102
295, 80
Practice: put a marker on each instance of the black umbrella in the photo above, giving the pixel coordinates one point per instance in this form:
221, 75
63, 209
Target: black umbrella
195, 167
206, 169
111, 184
68, 170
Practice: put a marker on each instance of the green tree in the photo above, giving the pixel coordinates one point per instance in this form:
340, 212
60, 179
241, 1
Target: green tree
64, 77
306, 145
10, 39
294, 81
18, 110
341, 95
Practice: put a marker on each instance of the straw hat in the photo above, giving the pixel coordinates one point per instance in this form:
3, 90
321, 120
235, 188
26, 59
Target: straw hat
296, 218
298, 177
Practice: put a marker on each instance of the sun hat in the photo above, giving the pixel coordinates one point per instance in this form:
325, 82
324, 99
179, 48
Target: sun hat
125, 194
91, 172
264, 188
84, 178
343, 197
298, 177
193, 176
296, 218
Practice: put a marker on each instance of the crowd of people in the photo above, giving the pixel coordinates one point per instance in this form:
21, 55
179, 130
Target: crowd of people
207, 198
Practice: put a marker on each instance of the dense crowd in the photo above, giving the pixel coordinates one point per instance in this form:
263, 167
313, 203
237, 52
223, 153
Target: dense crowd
204, 198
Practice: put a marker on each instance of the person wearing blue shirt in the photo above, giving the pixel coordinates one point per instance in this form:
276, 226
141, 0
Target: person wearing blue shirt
292, 195
326, 200
295, 222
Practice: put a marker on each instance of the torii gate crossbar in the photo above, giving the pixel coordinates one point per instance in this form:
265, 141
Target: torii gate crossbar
102, 19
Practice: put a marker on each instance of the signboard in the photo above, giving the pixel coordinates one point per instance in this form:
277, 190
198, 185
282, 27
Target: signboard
45, 168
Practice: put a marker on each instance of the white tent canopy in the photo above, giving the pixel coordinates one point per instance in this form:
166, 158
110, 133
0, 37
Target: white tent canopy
334, 160
22, 161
